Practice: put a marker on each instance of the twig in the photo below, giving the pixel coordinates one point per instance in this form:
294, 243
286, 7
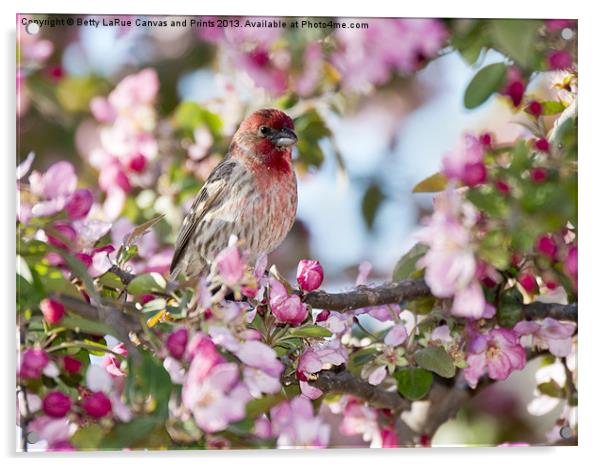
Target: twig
121, 323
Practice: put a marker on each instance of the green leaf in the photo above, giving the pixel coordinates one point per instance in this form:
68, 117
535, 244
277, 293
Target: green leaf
190, 115
488, 80
371, 202
310, 331
436, 359
80, 324
53, 280
489, 201
517, 39
148, 378
510, 309
520, 158
311, 128
79, 270
126, 435
551, 388
551, 107
406, 265
88, 437
147, 283
262, 405
433, 184
110, 280
494, 248
413, 383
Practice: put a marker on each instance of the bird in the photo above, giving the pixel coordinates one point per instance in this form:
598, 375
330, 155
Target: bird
251, 193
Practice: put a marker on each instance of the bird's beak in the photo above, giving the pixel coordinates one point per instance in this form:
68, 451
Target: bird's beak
285, 137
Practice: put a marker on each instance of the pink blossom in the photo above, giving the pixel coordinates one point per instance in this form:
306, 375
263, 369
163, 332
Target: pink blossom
52, 430
570, 262
497, 352
59, 180
296, 426
377, 375
258, 382
358, 418
330, 352
260, 356
24, 167
560, 60
204, 355
33, 362
555, 25
396, 335
262, 427
309, 275
79, 204
62, 235
176, 343
365, 57
53, 310
441, 334
287, 309
388, 438
549, 334
466, 163
97, 405
217, 398
450, 263
364, 270
56, 404
230, 265
313, 65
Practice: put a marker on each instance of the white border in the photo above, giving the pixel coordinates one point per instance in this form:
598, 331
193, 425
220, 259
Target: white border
590, 199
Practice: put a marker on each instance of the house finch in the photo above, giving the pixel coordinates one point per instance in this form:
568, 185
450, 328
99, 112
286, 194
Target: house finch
251, 193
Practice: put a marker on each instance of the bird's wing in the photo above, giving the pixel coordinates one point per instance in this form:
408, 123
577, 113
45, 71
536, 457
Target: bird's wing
210, 195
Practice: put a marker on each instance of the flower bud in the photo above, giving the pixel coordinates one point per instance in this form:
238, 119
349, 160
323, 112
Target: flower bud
547, 246
33, 363
176, 343
287, 309
79, 204
322, 316
72, 365
542, 145
534, 108
309, 275
538, 175
560, 60
53, 310
56, 404
528, 282
67, 235
97, 404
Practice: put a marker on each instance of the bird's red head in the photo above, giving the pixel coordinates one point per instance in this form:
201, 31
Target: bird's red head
267, 136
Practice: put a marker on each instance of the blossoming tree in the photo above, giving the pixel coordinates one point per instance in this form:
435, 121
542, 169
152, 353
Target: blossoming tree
113, 354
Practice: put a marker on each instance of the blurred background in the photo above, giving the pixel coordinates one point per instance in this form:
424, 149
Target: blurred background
376, 110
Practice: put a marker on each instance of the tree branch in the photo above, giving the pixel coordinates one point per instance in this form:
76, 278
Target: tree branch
537, 310
345, 382
364, 296
395, 293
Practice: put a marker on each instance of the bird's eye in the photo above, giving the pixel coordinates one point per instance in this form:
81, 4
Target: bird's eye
264, 130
